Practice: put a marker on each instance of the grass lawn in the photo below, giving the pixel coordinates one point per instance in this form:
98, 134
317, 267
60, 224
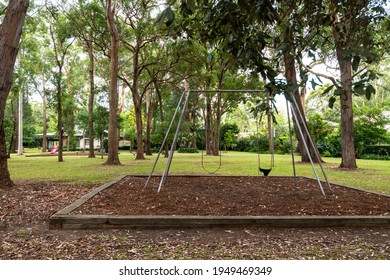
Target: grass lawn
371, 174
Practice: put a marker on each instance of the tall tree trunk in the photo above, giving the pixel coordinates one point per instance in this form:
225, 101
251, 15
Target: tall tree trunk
139, 130
113, 156
14, 136
91, 100
58, 81
348, 157
342, 42
291, 77
60, 130
166, 148
137, 100
44, 114
209, 127
10, 32
149, 114
269, 124
217, 129
120, 108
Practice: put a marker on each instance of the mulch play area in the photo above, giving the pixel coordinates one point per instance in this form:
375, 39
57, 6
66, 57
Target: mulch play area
192, 201
233, 196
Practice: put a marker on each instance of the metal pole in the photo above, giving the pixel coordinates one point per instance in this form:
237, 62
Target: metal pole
226, 90
165, 140
308, 153
312, 144
20, 124
173, 147
291, 141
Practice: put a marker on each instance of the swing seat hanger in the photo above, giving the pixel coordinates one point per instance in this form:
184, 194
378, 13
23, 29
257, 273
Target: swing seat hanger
265, 171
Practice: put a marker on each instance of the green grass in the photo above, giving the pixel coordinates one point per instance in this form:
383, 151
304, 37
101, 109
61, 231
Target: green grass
371, 175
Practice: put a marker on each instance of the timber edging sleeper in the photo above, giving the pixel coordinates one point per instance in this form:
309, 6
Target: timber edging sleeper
63, 219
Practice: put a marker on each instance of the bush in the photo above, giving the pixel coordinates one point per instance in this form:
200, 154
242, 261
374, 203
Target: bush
250, 144
330, 145
326, 154
375, 157
379, 150
188, 150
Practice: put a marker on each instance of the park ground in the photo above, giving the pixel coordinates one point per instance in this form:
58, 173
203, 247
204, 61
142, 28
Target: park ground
44, 186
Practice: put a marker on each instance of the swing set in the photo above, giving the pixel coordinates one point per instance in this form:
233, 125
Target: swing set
183, 102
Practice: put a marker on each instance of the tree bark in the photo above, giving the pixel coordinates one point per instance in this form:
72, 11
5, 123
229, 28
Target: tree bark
217, 130
113, 156
44, 113
13, 141
209, 146
137, 100
348, 156
291, 77
342, 43
149, 114
10, 32
91, 100
60, 130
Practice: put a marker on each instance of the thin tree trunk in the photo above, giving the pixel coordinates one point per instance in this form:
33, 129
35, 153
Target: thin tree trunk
60, 130
13, 142
217, 130
166, 148
91, 100
149, 114
137, 100
208, 125
44, 113
291, 77
113, 156
10, 32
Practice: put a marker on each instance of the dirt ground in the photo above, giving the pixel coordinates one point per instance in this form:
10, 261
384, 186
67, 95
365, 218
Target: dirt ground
233, 196
24, 233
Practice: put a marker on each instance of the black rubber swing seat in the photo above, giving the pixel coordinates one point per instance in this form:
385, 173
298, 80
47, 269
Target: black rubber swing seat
265, 171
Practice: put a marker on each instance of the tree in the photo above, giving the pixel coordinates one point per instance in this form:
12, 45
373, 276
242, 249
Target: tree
10, 33
90, 29
356, 29
62, 40
229, 133
113, 145
142, 41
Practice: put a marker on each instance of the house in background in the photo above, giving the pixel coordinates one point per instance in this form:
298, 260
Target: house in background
82, 142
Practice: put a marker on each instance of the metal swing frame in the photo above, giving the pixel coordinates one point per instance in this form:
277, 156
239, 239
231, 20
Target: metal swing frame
185, 97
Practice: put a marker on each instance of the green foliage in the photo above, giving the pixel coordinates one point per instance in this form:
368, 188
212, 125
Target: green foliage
379, 150
369, 128
376, 152
187, 150
330, 146
229, 133
101, 121
374, 157
318, 127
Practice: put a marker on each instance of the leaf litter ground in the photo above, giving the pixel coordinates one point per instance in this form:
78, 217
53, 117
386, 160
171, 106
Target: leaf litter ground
24, 233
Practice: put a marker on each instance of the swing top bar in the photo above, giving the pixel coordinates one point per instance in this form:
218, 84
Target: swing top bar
226, 90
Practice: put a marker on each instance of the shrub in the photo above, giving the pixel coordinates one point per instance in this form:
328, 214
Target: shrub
375, 157
380, 150
188, 150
